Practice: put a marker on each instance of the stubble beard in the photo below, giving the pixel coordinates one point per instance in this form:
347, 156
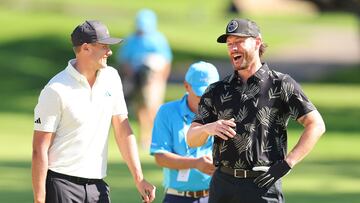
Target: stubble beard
245, 64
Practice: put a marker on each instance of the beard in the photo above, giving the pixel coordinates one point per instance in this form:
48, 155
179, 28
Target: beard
243, 63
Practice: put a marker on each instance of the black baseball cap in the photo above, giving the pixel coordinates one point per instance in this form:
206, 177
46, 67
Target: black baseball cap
92, 31
240, 27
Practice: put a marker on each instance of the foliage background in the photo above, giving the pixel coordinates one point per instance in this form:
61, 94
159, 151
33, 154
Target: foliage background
35, 45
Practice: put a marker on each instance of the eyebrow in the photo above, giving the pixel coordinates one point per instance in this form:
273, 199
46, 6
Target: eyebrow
235, 41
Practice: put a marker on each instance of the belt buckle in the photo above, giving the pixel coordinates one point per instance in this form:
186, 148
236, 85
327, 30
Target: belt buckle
237, 175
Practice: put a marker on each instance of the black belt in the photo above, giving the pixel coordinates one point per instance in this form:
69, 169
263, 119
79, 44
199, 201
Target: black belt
74, 179
193, 194
240, 173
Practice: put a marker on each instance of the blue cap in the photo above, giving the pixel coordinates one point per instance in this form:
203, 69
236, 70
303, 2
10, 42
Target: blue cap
146, 21
200, 75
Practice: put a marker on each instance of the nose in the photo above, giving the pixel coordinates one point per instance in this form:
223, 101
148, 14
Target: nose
232, 47
109, 52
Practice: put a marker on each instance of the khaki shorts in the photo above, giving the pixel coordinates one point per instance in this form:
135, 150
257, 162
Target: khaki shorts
146, 89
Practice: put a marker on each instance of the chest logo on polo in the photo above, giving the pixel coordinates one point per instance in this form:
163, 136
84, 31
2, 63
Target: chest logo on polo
107, 94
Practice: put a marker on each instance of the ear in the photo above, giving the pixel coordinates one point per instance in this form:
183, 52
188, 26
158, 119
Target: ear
187, 86
258, 41
85, 47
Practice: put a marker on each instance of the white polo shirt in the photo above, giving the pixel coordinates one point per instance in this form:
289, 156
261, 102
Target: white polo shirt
80, 117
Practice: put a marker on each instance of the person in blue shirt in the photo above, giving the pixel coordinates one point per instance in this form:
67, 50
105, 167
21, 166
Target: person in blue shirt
145, 61
187, 171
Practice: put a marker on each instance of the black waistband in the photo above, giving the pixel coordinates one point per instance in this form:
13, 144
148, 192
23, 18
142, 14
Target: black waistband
74, 179
240, 173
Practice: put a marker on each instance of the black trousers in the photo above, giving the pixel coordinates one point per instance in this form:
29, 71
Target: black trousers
178, 199
60, 189
227, 189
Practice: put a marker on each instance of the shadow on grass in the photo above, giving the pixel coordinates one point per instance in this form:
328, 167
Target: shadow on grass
347, 75
321, 198
123, 188
26, 66
15, 183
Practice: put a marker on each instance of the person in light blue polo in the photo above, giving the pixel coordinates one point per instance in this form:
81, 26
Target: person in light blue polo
187, 171
145, 63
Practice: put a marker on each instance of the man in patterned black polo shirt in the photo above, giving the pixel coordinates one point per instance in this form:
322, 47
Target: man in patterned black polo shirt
248, 113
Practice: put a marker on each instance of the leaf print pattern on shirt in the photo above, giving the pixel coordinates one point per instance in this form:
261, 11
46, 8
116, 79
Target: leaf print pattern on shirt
225, 97
208, 102
287, 90
274, 93
222, 147
265, 115
226, 114
256, 102
265, 146
242, 142
260, 112
281, 142
242, 114
203, 113
293, 113
250, 92
282, 120
250, 127
239, 164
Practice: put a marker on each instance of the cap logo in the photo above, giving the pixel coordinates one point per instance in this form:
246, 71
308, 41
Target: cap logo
232, 26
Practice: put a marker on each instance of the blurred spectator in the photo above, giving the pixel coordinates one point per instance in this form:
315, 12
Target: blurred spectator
145, 60
187, 171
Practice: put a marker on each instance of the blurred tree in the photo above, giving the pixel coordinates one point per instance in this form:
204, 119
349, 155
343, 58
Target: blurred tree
352, 6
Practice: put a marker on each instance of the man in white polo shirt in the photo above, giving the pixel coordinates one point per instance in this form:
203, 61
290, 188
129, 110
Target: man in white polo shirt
72, 121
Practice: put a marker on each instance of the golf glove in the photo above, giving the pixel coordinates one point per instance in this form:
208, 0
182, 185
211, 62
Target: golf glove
275, 172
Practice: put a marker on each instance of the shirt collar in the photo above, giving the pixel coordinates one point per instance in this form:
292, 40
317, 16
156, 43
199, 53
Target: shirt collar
261, 74
185, 111
74, 73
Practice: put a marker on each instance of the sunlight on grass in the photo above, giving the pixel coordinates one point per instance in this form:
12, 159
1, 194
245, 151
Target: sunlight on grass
333, 164
35, 44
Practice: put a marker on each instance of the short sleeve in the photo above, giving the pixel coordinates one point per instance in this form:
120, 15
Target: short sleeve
161, 133
47, 112
206, 112
163, 47
298, 102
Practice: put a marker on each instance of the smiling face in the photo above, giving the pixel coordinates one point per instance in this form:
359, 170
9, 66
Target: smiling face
243, 51
99, 54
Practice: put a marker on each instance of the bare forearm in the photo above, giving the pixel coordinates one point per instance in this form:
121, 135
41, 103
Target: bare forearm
196, 135
126, 142
311, 134
174, 161
128, 149
41, 144
39, 171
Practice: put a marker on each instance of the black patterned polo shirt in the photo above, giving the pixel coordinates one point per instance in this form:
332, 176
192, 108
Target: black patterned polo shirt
261, 108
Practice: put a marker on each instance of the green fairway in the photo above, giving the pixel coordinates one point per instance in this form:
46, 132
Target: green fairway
35, 45
330, 174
